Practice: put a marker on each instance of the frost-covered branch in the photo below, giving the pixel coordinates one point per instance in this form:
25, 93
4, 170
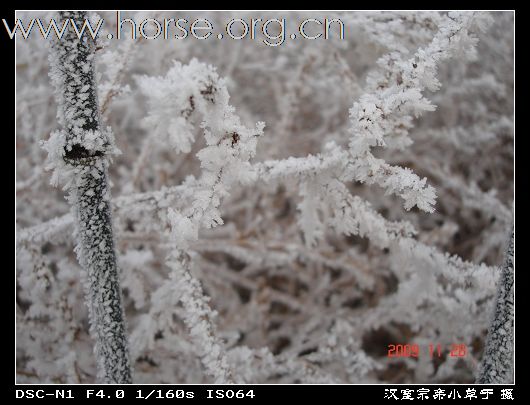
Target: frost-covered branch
197, 89
497, 365
79, 154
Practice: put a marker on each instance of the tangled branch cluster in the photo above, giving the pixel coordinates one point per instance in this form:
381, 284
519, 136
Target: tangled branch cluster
281, 253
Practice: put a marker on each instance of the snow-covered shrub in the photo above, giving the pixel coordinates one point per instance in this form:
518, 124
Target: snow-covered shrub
283, 214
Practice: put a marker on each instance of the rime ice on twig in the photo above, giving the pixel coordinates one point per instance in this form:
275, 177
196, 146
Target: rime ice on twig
196, 89
198, 316
497, 360
387, 111
79, 155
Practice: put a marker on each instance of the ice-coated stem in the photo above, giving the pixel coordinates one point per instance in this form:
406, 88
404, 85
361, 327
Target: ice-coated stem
85, 154
497, 361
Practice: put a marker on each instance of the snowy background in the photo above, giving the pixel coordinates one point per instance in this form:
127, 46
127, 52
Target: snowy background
372, 208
